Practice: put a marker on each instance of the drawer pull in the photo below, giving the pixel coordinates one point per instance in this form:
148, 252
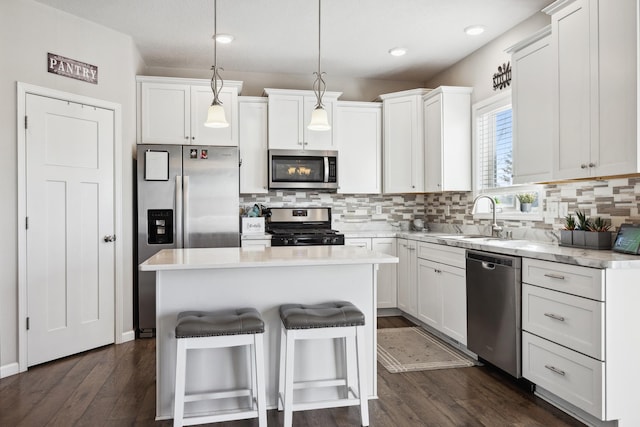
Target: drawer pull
554, 316
554, 276
554, 369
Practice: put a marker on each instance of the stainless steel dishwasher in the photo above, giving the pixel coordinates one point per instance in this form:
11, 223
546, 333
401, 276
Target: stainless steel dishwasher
494, 294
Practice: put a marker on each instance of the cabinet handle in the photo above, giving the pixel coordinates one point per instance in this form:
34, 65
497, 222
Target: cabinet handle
554, 276
592, 165
412, 249
583, 166
186, 137
300, 143
193, 137
556, 370
554, 316
437, 271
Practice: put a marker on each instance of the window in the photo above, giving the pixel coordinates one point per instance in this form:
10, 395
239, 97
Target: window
493, 156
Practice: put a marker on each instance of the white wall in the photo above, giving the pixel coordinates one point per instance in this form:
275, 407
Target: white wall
477, 69
254, 83
29, 30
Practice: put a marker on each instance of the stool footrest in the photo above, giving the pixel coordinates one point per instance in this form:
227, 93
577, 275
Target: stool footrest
221, 416
322, 404
320, 383
196, 397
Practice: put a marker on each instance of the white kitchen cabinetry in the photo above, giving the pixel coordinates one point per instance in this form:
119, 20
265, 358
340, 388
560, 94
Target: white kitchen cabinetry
387, 273
442, 295
532, 96
594, 49
575, 338
290, 113
173, 111
407, 277
252, 112
403, 143
255, 243
447, 139
359, 141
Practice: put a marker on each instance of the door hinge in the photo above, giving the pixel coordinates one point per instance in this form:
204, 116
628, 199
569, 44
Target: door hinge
26, 222
28, 324
25, 122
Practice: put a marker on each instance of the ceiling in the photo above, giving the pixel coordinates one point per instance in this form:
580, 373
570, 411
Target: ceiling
281, 36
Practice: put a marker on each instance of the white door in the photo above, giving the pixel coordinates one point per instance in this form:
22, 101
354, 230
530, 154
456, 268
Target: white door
70, 210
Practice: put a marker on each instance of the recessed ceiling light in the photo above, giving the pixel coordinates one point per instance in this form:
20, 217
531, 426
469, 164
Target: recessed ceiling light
398, 51
474, 30
223, 38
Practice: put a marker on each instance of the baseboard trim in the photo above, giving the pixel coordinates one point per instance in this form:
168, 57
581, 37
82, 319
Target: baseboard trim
10, 369
127, 336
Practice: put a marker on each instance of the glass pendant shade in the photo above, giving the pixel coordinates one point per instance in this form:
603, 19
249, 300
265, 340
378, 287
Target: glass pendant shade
216, 117
319, 120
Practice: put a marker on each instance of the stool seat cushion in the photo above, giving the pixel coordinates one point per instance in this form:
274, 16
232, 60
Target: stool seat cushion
194, 324
326, 315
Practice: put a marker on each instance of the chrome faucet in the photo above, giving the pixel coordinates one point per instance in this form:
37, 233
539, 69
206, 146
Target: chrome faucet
495, 228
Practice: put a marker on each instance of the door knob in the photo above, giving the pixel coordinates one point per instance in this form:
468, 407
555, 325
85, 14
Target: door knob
109, 238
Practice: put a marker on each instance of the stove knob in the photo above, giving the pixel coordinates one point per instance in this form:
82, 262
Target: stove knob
285, 241
326, 240
335, 240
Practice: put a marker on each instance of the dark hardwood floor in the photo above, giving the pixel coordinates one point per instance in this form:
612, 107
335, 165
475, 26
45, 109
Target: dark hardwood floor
115, 386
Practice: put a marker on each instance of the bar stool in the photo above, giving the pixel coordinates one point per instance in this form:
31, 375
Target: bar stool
322, 321
218, 329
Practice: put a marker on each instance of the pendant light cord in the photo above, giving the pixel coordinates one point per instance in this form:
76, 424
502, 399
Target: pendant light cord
319, 86
216, 71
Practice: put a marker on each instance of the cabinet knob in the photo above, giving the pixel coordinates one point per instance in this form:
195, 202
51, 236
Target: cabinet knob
583, 166
186, 137
592, 165
193, 137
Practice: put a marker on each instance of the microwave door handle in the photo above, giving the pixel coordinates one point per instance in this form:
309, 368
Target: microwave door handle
326, 169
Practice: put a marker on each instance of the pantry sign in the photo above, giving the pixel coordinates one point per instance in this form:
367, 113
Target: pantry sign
68, 67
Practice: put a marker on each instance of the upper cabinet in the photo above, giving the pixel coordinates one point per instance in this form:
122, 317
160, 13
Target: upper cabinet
447, 139
173, 111
403, 145
252, 112
594, 54
532, 95
359, 140
290, 113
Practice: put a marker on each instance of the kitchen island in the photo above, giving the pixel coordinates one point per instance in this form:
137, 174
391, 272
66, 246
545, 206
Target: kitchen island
264, 278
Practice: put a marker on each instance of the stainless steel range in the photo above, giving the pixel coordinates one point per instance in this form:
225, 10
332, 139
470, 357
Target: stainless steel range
302, 227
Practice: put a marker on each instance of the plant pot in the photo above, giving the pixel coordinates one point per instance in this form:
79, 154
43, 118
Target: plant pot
579, 237
566, 237
525, 207
598, 239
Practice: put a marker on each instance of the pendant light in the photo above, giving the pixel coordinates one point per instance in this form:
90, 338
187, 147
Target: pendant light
319, 119
215, 114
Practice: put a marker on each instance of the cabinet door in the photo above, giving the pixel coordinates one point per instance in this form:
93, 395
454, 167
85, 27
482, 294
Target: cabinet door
407, 277
433, 143
454, 302
165, 113
571, 35
429, 293
201, 98
387, 273
403, 148
533, 119
318, 139
359, 139
253, 145
286, 121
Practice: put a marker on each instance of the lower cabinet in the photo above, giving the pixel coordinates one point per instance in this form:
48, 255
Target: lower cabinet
407, 276
387, 273
255, 243
442, 295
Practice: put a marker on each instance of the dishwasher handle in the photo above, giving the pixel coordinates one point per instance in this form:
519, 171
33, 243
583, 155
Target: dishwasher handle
488, 265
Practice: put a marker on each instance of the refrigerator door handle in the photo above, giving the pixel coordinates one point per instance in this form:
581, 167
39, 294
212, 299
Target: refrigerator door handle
179, 213
185, 212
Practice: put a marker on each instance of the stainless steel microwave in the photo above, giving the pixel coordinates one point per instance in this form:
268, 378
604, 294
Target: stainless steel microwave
303, 169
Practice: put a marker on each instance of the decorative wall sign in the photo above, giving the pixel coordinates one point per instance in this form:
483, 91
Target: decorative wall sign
68, 67
502, 78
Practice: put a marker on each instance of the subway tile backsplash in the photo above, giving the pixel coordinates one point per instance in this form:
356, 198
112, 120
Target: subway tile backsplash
617, 200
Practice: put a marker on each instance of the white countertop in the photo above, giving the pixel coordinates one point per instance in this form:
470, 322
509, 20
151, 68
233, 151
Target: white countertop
284, 256
524, 248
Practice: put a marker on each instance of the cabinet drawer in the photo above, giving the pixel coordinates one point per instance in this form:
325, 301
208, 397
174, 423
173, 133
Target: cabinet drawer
582, 281
572, 376
574, 322
360, 242
442, 253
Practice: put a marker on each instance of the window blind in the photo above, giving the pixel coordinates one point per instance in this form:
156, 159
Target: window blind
495, 146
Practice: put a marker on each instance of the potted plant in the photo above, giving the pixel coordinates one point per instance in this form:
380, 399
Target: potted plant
599, 236
582, 227
526, 200
566, 235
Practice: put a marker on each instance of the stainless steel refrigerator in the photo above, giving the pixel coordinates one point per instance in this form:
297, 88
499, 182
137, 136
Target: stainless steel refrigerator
187, 197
